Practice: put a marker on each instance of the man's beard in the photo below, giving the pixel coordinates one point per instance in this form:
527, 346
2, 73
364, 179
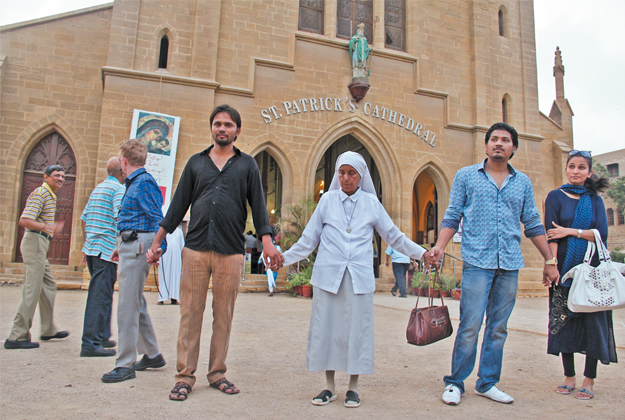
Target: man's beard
498, 156
224, 142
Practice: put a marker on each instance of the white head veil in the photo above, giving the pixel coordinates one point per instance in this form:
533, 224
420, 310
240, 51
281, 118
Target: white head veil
356, 161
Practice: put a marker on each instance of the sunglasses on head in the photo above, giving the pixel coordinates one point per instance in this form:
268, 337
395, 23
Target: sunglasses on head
584, 153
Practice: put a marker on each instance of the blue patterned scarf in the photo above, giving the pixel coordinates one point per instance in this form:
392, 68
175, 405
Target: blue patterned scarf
576, 248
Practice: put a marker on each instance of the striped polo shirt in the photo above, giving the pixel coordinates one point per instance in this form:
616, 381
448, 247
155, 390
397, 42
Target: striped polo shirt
100, 217
41, 206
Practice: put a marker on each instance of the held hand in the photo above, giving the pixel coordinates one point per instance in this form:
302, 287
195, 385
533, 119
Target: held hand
558, 232
154, 255
84, 259
273, 258
115, 255
550, 275
387, 263
436, 255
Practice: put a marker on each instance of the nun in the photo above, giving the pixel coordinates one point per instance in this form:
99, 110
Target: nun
340, 336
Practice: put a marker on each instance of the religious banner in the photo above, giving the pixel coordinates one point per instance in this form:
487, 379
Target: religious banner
160, 134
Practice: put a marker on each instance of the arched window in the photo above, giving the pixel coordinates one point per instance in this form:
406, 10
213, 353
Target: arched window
311, 16
504, 109
395, 24
350, 13
610, 217
620, 218
501, 24
162, 57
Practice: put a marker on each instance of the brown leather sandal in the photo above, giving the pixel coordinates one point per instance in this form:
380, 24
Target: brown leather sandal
180, 392
225, 386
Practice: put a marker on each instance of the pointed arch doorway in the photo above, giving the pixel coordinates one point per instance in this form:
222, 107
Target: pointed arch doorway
424, 210
51, 150
325, 172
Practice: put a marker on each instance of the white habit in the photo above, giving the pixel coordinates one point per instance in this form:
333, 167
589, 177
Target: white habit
170, 267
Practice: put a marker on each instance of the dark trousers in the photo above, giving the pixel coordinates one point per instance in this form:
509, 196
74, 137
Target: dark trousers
97, 323
399, 270
590, 368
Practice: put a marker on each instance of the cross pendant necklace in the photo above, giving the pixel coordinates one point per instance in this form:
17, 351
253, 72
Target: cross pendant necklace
349, 228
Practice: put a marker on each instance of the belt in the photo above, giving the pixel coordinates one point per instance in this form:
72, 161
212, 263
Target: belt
138, 231
39, 232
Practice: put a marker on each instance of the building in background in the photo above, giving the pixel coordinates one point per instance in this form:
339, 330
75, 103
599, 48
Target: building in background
614, 162
440, 74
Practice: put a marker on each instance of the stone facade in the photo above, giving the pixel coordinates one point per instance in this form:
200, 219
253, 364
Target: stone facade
83, 73
616, 230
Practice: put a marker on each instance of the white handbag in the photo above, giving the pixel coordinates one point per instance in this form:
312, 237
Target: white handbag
596, 289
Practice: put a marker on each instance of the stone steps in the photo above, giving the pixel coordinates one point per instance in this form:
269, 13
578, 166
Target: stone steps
77, 277
66, 277
532, 289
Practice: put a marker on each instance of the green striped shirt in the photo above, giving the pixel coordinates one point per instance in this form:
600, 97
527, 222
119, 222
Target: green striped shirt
40, 206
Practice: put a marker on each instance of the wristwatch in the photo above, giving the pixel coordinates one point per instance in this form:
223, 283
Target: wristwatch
579, 233
553, 261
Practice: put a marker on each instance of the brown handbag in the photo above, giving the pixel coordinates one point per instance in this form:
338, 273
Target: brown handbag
430, 324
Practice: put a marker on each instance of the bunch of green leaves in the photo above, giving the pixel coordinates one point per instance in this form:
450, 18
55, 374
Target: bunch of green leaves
294, 219
618, 255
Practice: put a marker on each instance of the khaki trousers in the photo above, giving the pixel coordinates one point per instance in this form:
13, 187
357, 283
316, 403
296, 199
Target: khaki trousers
197, 268
39, 287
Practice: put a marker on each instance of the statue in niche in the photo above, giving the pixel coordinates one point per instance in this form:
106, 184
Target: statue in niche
359, 52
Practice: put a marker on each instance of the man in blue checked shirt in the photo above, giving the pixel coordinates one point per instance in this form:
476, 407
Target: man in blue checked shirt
492, 198
99, 224
138, 222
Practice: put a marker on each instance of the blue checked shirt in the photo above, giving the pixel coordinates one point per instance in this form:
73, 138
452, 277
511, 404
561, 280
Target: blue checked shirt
141, 206
491, 232
100, 216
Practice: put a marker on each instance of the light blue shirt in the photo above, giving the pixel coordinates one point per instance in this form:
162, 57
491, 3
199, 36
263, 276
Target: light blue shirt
100, 217
396, 256
491, 232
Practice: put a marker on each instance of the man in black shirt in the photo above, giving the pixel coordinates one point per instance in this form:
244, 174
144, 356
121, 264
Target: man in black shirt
216, 183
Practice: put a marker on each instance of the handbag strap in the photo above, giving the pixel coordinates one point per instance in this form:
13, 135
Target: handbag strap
590, 252
427, 275
604, 254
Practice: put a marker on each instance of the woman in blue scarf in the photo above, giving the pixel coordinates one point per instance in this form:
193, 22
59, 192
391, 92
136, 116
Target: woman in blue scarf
570, 212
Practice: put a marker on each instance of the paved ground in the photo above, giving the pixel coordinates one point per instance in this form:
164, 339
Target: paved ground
267, 362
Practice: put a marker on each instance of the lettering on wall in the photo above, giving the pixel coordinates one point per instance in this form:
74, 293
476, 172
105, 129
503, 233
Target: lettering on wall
300, 106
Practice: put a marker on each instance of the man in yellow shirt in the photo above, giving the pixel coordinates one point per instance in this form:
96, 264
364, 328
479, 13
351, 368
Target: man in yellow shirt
38, 220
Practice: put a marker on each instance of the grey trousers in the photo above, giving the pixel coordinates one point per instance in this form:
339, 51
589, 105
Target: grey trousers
39, 287
134, 327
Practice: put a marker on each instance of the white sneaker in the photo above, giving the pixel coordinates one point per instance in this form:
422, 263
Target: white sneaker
496, 394
451, 395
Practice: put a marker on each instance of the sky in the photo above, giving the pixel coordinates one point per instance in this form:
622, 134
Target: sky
590, 34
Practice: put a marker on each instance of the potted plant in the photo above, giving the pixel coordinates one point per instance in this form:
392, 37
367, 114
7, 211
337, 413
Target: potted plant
292, 224
457, 292
417, 279
294, 284
306, 275
448, 283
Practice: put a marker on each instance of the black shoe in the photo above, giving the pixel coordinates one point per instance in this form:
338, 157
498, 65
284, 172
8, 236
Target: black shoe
97, 352
59, 334
146, 362
109, 344
119, 374
393, 293
174, 302
403, 296
14, 344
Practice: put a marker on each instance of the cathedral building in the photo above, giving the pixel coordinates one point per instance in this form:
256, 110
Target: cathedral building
436, 76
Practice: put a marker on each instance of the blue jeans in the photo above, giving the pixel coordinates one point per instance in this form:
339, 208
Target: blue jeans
483, 291
97, 323
399, 271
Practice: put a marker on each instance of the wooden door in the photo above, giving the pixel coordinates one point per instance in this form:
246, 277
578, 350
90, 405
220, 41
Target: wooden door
51, 150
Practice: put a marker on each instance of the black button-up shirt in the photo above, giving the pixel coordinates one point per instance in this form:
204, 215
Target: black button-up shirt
218, 203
